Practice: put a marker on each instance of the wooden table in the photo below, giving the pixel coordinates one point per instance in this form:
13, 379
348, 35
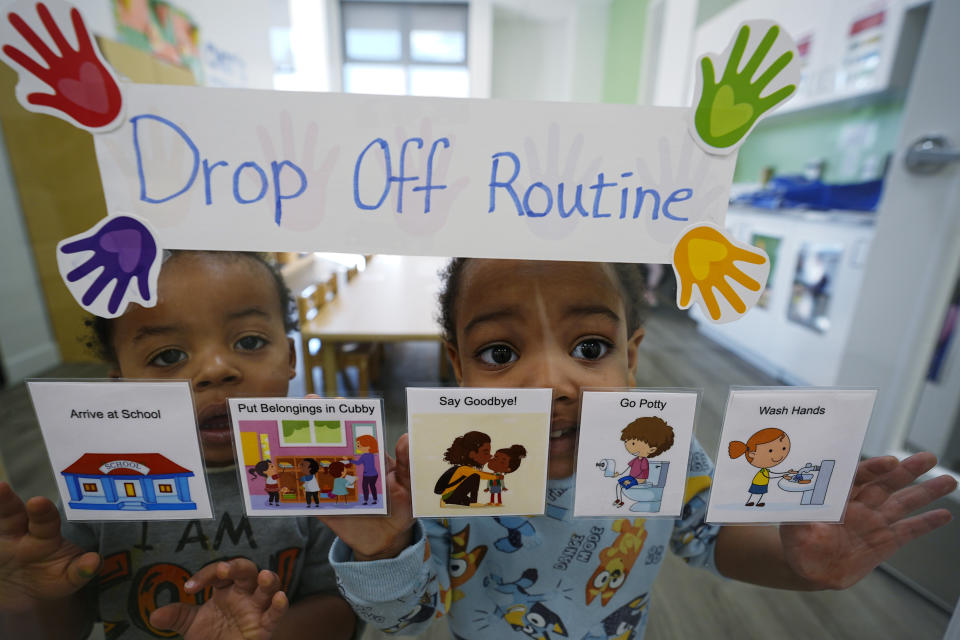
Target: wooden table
308, 270
393, 300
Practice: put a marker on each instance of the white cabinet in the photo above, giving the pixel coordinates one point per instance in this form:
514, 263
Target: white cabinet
798, 330
848, 50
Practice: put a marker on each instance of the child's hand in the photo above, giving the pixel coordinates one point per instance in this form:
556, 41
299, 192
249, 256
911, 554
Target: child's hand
835, 556
376, 537
36, 563
245, 605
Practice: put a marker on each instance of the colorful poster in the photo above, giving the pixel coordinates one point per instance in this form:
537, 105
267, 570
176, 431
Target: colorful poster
478, 452
633, 452
788, 454
310, 456
123, 450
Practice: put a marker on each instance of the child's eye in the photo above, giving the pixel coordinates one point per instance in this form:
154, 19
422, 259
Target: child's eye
168, 358
497, 354
591, 349
250, 343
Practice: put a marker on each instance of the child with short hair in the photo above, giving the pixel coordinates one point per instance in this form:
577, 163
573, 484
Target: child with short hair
338, 471
221, 321
569, 326
309, 467
644, 438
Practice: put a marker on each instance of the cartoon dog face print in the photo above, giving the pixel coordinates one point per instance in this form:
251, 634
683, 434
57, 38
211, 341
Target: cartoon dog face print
463, 564
616, 561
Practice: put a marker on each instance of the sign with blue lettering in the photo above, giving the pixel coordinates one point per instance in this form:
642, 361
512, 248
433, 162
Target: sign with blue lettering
228, 169
257, 170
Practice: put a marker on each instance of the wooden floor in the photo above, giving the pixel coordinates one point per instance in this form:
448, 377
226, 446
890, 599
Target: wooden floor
688, 603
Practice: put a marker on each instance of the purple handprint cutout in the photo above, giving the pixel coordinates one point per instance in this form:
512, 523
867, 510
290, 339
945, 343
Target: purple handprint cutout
123, 249
71, 80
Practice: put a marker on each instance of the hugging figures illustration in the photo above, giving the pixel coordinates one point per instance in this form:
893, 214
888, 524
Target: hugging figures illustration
460, 484
641, 482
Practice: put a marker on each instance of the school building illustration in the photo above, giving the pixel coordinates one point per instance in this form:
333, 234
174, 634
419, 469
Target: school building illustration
129, 482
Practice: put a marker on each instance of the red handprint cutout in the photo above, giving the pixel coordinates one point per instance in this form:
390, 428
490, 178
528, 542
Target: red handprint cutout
85, 90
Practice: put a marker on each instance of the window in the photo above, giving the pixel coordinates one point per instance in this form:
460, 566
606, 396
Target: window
165, 488
305, 432
90, 486
405, 48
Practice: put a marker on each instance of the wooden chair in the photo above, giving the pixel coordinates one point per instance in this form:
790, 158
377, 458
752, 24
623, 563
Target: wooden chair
351, 354
310, 302
364, 356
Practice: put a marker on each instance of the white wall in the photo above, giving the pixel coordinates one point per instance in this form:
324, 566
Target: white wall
547, 49
235, 36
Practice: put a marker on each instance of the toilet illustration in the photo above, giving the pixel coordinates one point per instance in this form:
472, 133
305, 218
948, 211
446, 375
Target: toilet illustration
646, 496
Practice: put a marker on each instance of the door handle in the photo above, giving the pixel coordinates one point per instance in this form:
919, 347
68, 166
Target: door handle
929, 154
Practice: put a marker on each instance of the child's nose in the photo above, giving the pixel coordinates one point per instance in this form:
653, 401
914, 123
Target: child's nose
216, 369
555, 371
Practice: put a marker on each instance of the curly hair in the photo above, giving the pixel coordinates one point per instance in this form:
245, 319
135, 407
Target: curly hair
99, 331
459, 452
651, 429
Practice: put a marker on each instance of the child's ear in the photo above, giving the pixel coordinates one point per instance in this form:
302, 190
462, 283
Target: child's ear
633, 348
750, 455
454, 356
293, 358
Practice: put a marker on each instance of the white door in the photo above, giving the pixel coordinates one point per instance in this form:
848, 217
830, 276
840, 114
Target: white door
909, 281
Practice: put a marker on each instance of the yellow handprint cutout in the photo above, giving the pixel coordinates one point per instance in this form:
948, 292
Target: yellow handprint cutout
703, 260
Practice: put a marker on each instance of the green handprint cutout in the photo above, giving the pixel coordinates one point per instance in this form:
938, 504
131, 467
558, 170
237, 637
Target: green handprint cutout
729, 108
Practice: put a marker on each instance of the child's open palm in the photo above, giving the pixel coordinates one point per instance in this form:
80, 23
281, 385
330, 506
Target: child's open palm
877, 522
36, 562
245, 604
378, 536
